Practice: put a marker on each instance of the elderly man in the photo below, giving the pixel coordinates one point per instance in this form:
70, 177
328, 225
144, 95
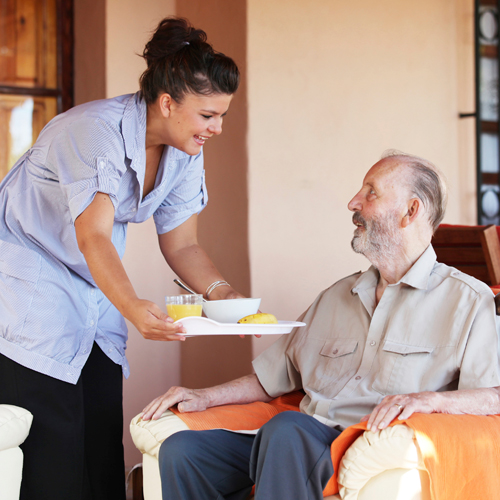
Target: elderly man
408, 335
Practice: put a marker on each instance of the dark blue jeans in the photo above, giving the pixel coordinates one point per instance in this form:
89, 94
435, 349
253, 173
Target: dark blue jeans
289, 458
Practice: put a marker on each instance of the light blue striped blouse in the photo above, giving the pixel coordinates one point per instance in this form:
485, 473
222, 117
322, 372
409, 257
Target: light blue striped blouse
51, 311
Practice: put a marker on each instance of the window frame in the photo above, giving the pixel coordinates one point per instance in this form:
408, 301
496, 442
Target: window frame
64, 93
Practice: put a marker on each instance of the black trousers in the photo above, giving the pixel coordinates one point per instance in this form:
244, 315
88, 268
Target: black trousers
289, 459
74, 450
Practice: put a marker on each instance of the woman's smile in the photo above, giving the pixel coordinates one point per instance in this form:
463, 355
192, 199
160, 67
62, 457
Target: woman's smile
189, 124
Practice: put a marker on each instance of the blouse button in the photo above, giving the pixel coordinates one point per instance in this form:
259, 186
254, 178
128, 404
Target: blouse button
358, 378
372, 342
335, 351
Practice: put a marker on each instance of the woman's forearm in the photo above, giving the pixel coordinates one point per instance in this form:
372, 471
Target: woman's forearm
194, 266
108, 272
190, 262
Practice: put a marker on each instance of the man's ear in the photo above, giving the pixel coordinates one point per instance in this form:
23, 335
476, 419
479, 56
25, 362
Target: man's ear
414, 207
165, 103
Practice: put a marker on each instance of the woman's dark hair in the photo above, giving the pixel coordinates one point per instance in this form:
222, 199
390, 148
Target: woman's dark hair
180, 60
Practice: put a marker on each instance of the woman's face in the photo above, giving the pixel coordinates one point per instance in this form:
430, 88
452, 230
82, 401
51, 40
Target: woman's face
193, 121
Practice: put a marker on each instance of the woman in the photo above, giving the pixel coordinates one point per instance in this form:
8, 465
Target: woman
64, 293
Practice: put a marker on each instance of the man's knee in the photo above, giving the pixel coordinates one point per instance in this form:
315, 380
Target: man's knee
178, 447
283, 424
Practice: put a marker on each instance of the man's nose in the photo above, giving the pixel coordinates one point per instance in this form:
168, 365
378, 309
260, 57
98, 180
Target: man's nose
355, 204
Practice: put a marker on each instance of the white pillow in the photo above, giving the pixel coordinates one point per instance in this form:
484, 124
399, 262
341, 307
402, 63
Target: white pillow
15, 425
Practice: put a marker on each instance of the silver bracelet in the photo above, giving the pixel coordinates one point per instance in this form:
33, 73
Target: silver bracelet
214, 285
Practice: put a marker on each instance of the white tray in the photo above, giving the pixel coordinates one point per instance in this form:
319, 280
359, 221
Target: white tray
197, 325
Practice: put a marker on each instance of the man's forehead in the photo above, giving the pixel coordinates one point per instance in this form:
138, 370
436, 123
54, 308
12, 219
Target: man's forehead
385, 170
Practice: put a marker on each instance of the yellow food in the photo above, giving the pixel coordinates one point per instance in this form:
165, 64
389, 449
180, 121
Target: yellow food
179, 311
260, 318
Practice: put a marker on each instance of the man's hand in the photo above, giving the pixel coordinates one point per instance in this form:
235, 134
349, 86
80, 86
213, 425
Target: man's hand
400, 406
484, 401
243, 390
185, 399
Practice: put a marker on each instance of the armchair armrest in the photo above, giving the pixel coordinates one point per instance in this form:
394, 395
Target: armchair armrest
384, 465
149, 435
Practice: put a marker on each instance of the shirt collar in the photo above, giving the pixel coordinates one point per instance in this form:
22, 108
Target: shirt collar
134, 125
416, 277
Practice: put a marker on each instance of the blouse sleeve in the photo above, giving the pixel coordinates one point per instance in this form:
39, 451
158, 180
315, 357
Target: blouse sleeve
88, 157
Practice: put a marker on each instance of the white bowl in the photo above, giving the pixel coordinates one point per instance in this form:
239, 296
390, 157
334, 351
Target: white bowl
230, 311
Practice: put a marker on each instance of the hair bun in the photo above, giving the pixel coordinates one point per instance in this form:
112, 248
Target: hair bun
180, 60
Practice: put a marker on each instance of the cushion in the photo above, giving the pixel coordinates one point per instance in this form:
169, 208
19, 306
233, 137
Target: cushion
149, 434
375, 452
15, 424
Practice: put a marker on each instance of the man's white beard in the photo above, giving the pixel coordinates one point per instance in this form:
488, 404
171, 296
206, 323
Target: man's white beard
381, 240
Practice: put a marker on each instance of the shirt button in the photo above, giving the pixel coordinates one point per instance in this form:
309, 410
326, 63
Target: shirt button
358, 378
335, 351
110, 350
92, 322
92, 292
134, 210
372, 342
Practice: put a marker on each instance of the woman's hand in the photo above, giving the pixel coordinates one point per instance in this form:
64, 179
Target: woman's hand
185, 399
153, 323
226, 292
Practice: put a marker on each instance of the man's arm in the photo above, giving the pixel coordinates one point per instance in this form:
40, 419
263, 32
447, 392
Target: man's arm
240, 391
472, 401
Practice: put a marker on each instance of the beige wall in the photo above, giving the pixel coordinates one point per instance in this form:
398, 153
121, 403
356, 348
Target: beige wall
331, 85
223, 229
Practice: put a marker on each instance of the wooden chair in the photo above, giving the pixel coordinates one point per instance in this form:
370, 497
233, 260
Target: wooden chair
475, 250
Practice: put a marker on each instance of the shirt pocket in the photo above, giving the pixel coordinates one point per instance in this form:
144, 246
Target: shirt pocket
401, 368
19, 275
335, 361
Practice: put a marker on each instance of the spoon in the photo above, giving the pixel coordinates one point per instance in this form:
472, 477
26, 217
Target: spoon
185, 287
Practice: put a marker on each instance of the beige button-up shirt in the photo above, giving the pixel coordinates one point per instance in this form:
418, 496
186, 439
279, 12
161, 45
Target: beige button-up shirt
434, 330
